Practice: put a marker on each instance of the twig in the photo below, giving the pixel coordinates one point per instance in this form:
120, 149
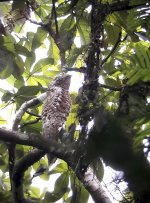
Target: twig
33, 114
25, 106
113, 49
16, 123
124, 6
35, 22
30, 123
55, 16
80, 70
110, 87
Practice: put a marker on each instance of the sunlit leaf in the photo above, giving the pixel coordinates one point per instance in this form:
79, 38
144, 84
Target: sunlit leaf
38, 38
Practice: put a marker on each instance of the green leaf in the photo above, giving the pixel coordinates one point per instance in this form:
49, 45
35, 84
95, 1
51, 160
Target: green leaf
61, 184
53, 51
22, 50
3, 148
74, 53
60, 168
112, 33
98, 169
112, 82
67, 33
35, 191
2, 121
6, 64
41, 64
19, 82
18, 66
7, 43
28, 90
79, 192
61, 187
84, 30
28, 63
7, 96
33, 128
39, 38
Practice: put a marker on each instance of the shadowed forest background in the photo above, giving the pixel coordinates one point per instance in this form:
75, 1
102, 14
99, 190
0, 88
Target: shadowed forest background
105, 46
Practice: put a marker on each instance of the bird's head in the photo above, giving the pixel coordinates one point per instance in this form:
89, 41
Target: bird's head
62, 80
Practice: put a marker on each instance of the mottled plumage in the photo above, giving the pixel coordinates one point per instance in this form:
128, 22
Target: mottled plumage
56, 107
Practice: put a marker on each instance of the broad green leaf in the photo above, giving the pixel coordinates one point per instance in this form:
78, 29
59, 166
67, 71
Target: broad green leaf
67, 33
22, 50
7, 96
112, 82
19, 82
34, 191
28, 90
29, 62
6, 64
53, 51
84, 30
33, 128
74, 55
98, 169
39, 38
112, 33
18, 67
61, 187
41, 64
61, 184
82, 195
7, 43
60, 168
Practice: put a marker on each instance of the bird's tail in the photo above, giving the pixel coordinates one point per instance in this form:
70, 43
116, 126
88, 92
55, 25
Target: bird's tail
51, 159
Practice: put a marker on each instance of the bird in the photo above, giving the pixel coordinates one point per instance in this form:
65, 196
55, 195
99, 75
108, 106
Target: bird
56, 108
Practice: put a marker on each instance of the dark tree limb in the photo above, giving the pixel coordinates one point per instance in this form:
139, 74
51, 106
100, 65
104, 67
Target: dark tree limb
66, 153
35, 140
80, 70
55, 17
18, 174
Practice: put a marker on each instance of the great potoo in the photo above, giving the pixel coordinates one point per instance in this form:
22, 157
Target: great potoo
56, 108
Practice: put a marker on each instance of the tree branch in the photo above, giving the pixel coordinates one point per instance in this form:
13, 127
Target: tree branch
19, 171
35, 22
16, 123
25, 106
62, 152
55, 16
94, 187
80, 70
37, 141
